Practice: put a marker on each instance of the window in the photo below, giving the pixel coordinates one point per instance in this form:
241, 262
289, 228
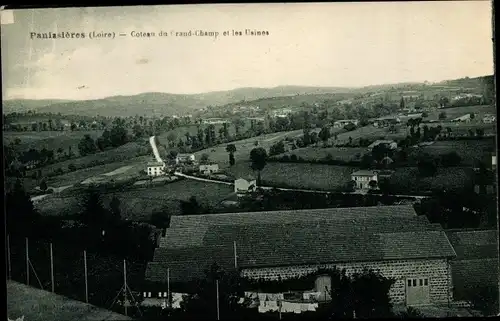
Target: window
421, 282
409, 282
426, 282
159, 294
165, 294
414, 282
144, 294
149, 294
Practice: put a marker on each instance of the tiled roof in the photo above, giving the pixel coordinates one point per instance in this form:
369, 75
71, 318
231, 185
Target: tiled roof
269, 217
347, 237
364, 173
474, 244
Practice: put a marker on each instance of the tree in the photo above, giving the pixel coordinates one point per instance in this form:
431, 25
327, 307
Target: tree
115, 211
231, 148
472, 115
138, 131
191, 206
425, 114
161, 219
450, 159
479, 132
258, 158
485, 300
324, 134
204, 158
278, 148
426, 166
87, 146
442, 115
373, 184
93, 212
402, 103
21, 215
43, 186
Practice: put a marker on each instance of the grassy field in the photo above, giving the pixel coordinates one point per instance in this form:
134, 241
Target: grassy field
455, 112
139, 204
243, 147
407, 180
124, 152
320, 153
50, 139
307, 176
22, 299
468, 150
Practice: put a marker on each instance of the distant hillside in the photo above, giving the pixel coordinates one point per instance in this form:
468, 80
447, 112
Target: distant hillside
22, 105
161, 103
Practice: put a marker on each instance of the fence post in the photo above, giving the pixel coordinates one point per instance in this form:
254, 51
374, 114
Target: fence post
27, 264
86, 281
9, 268
52, 267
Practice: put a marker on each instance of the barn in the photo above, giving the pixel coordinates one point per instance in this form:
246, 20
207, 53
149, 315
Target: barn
392, 240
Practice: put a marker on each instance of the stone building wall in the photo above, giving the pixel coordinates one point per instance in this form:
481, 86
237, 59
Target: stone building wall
437, 270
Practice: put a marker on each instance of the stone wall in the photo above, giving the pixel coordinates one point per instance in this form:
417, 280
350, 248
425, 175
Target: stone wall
437, 270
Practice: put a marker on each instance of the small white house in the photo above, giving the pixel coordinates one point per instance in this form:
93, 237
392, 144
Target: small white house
464, 118
488, 119
389, 143
184, 158
344, 122
243, 186
156, 169
209, 168
362, 178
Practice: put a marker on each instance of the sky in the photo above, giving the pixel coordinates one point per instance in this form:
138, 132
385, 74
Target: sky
321, 44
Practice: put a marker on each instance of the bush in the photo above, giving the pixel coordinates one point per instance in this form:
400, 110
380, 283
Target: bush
71, 167
293, 158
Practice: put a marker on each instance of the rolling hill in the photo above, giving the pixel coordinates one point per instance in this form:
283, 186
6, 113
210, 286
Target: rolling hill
161, 103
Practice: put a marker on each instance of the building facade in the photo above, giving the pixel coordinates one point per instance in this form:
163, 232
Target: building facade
418, 282
184, 158
363, 178
208, 169
156, 169
344, 122
243, 186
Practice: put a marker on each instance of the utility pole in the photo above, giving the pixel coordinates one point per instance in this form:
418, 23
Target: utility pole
235, 257
86, 280
9, 269
27, 264
125, 286
168, 286
52, 267
217, 289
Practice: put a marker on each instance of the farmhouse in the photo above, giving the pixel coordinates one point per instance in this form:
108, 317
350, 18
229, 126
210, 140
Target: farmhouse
391, 240
243, 186
464, 118
388, 143
209, 168
362, 178
156, 169
214, 121
386, 121
344, 122
488, 119
184, 158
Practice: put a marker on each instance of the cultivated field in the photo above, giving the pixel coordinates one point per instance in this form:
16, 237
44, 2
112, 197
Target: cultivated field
407, 180
320, 153
140, 203
455, 112
468, 150
124, 152
243, 147
50, 139
307, 176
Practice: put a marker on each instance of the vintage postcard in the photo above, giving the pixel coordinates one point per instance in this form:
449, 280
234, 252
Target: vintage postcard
250, 161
